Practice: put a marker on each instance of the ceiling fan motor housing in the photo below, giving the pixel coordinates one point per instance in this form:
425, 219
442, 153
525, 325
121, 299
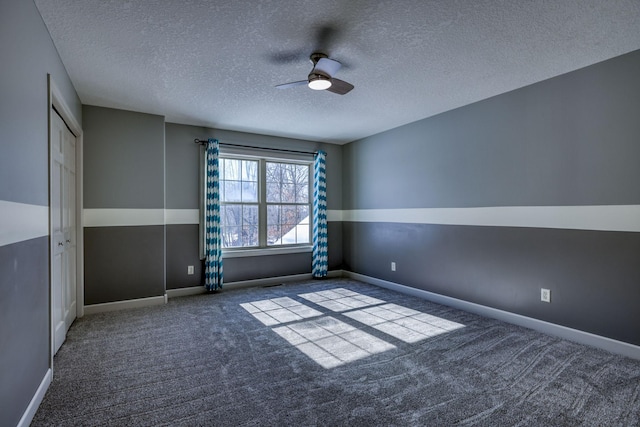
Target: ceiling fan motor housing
316, 56
318, 80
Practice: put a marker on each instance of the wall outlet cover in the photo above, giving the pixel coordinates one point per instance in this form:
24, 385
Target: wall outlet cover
545, 295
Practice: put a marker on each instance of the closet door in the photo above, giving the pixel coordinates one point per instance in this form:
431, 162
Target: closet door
69, 228
63, 222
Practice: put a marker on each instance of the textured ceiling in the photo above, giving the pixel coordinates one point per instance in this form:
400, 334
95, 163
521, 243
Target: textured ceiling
215, 63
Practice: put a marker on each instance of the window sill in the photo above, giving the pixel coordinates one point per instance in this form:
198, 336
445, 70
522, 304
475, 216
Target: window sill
241, 253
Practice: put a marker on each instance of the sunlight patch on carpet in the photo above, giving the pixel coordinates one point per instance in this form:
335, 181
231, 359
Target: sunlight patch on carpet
403, 323
340, 299
330, 342
276, 311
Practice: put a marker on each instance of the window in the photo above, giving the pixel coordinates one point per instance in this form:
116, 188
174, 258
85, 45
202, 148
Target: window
264, 203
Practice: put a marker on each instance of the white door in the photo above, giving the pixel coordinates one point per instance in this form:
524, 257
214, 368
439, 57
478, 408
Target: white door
63, 229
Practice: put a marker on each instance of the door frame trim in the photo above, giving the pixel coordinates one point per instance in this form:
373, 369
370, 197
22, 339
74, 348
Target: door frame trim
57, 101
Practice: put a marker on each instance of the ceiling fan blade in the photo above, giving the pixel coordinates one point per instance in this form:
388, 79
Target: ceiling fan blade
326, 37
327, 66
292, 84
340, 86
287, 56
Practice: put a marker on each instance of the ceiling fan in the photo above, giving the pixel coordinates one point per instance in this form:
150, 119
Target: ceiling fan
321, 76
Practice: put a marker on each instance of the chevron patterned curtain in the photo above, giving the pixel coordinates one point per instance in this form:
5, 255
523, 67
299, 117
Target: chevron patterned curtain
213, 247
320, 263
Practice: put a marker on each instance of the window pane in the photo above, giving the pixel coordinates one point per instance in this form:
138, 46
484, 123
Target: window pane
273, 214
232, 191
303, 233
231, 237
250, 170
302, 174
273, 192
297, 234
249, 191
302, 193
294, 224
223, 216
289, 215
288, 172
288, 193
250, 215
225, 235
273, 235
288, 235
231, 215
303, 214
250, 235
303, 224
232, 169
273, 172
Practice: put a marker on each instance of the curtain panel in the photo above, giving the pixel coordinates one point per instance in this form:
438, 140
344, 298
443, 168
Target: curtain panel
320, 258
212, 241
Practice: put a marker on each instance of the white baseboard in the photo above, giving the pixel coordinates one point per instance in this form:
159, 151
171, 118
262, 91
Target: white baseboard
28, 415
183, 292
121, 305
564, 332
195, 290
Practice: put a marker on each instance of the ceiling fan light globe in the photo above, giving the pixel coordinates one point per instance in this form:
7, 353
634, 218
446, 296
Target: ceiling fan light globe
319, 84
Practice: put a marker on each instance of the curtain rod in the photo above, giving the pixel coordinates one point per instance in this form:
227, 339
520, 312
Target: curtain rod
283, 150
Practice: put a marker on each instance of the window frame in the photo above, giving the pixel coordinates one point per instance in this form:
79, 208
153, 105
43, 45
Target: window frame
263, 247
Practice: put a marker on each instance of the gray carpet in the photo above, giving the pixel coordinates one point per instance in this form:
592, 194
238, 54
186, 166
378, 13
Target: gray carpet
359, 356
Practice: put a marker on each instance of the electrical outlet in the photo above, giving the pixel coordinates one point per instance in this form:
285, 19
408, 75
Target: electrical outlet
545, 295
190, 269
393, 266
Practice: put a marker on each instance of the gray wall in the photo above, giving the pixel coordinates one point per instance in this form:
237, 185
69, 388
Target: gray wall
182, 188
182, 193
28, 55
123, 169
124, 159
570, 140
